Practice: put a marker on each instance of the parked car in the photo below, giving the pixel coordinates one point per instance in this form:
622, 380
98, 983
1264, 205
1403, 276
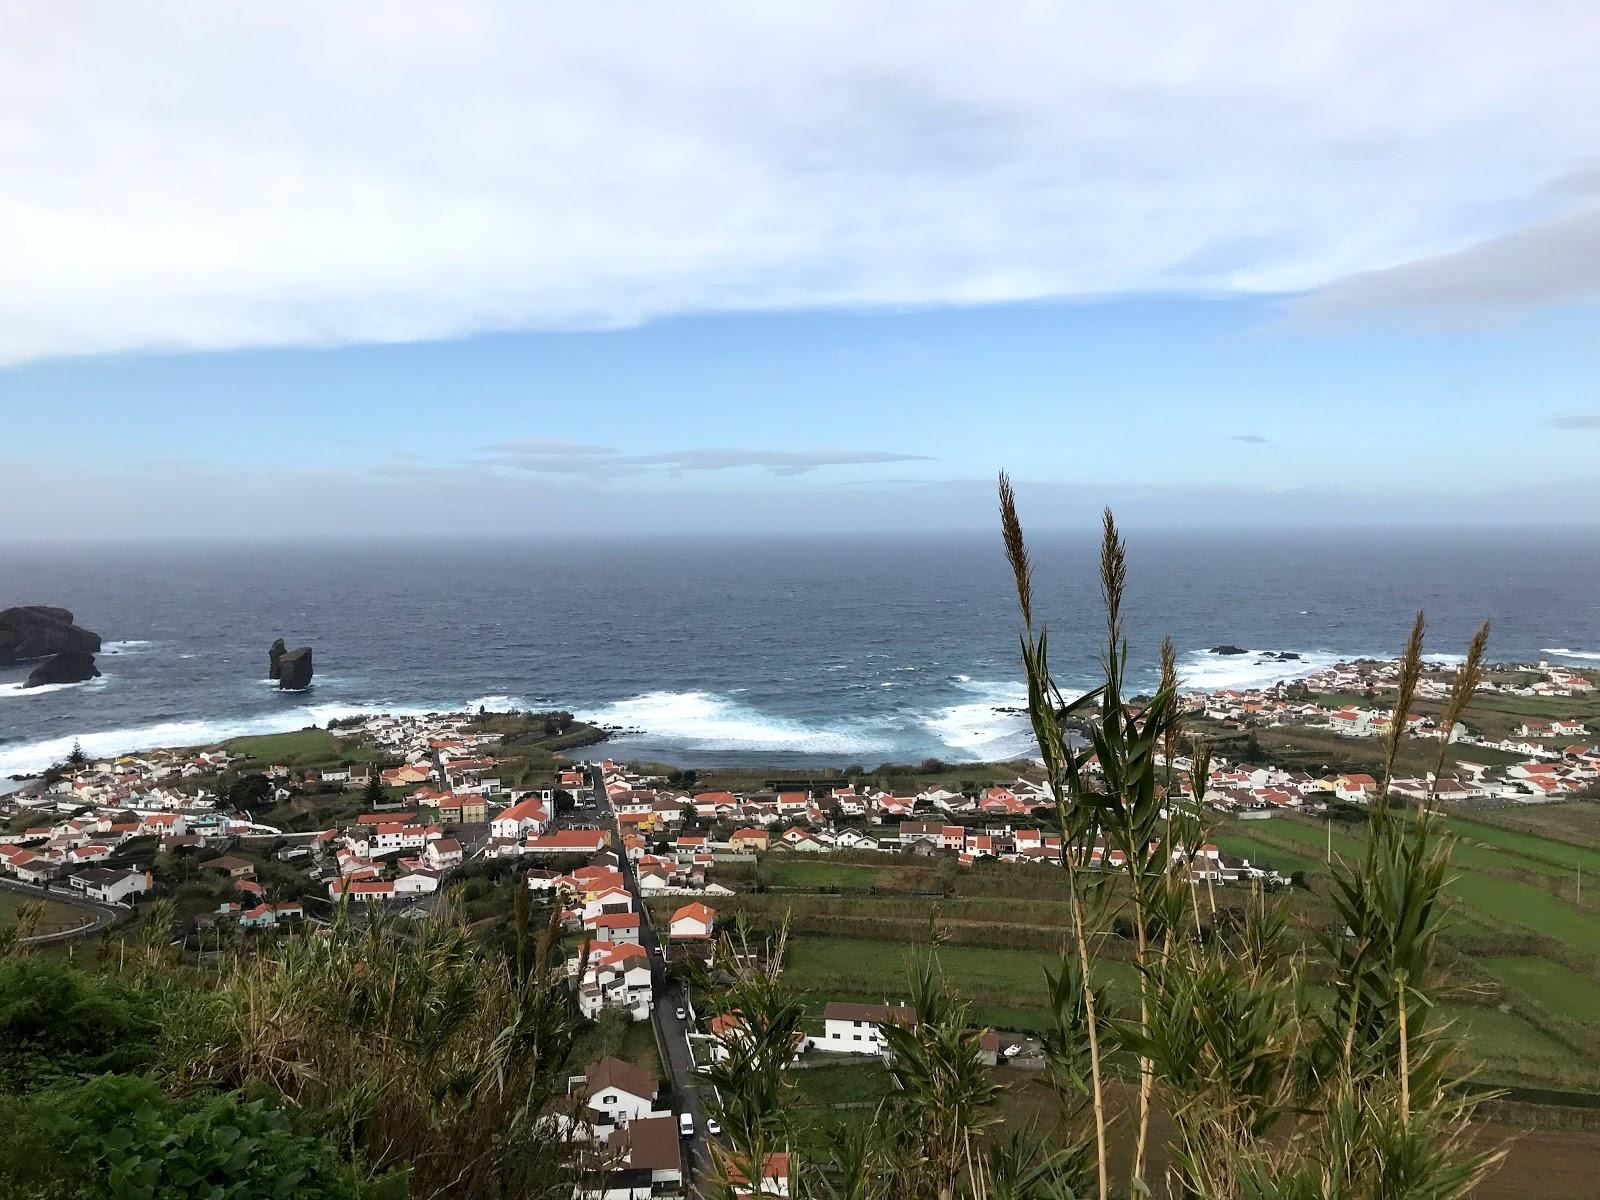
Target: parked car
683, 1014
712, 1127
686, 1125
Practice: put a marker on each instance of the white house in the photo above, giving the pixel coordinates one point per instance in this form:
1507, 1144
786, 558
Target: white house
567, 841
614, 927
111, 886
693, 920
616, 975
858, 1028
441, 854
528, 816
616, 1093
648, 1163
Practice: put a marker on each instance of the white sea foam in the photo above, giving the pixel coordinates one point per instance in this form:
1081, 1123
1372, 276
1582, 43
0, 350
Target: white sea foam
1203, 671
10, 690
1564, 652
131, 644
707, 721
30, 758
500, 703
977, 729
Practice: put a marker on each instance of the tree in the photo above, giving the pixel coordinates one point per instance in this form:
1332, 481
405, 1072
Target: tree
373, 794
77, 757
564, 801
249, 791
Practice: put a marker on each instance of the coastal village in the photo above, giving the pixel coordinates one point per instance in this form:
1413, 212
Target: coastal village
636, 869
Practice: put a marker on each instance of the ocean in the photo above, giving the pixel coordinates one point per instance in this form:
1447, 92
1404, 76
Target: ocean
787, 651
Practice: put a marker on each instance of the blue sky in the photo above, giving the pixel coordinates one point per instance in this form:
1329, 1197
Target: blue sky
795, 269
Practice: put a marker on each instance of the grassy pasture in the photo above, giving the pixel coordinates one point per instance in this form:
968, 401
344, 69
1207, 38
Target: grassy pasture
1556, 988
300, 748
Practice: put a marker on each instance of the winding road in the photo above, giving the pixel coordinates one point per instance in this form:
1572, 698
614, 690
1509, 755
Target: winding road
101, 916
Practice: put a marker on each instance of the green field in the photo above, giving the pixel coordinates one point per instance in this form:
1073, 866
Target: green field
1557, 989
1529, 907
881, 969
1541, 853
855, 1081
1269, 857
301, 748
57, 916
802, 873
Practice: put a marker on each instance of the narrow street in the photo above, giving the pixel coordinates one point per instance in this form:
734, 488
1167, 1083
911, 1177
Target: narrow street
672, 1033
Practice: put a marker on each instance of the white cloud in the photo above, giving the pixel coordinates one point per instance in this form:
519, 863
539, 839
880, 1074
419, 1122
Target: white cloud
541, 457
206, 176
1553, 262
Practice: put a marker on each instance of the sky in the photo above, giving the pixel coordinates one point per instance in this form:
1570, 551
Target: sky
509, 267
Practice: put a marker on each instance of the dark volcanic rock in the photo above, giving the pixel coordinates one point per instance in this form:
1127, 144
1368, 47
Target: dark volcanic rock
275, 654
294, 669
35, 631
70, 666
1229, 650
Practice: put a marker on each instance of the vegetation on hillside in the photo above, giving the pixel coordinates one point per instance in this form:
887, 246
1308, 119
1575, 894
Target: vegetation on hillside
1269, 1094
360, 1062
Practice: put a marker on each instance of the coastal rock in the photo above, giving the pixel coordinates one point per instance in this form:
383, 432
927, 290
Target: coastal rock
294, 669
275, 654
70, 666
1228, 649
37, 631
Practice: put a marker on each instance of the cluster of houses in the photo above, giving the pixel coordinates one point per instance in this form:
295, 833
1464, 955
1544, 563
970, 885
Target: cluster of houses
385, 856
80, 850
1553, 765
610, 967
668, 861
620, 1109
643, 807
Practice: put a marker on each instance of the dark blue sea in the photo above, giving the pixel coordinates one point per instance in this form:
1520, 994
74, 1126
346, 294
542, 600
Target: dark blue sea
785, 651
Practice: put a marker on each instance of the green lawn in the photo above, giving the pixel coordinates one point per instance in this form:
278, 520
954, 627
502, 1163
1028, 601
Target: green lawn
1556, 988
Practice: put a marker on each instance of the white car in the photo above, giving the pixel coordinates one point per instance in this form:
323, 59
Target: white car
683, 1014
686, 1125
712, 1127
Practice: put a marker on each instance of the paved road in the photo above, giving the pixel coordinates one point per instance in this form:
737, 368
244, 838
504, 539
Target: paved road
673, 1033
102, 916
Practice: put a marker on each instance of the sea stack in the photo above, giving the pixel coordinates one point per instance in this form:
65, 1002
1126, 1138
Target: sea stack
70, 666
36, 631
294, 669
275, 654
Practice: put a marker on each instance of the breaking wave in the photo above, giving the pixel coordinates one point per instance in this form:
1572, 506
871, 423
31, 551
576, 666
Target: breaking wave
1203, 671
30, 758
708, 721
1563, 652
981, 729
